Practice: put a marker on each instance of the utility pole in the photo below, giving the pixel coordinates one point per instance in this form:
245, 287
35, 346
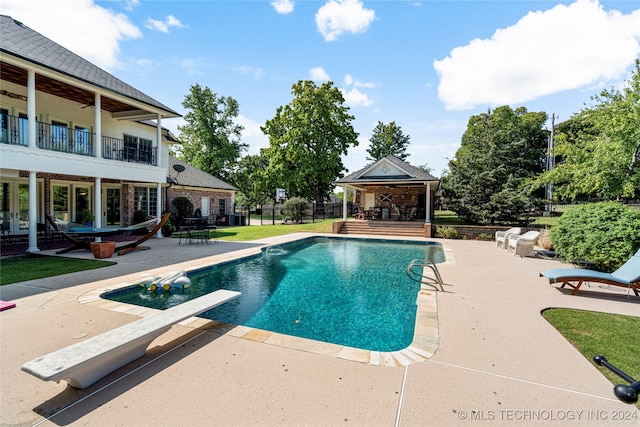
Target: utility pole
550, 165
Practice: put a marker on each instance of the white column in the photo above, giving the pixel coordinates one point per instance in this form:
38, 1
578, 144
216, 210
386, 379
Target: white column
344, 202
97, 125
97, 203
159, 209
427, 216
31, 108
159, 139
97, 206
33, 211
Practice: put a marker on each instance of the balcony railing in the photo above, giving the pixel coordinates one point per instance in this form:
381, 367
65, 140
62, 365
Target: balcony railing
14, 130
128, 151
61, 138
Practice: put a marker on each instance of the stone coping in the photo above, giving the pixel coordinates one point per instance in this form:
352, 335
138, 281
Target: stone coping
424, 345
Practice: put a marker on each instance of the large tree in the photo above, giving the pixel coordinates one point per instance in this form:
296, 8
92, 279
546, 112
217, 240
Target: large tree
388, 140
307, 139
498, 151
210, 139
598, 149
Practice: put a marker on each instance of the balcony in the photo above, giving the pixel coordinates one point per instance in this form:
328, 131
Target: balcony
79, 141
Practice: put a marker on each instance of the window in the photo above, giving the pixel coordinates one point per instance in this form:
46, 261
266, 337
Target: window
82, 202
82, 140
4, 125
61, 203
222, 206
138, 149
23, 129
146, 200
59, 136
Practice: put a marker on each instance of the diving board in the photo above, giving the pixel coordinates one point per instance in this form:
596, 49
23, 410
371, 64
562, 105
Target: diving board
84, 363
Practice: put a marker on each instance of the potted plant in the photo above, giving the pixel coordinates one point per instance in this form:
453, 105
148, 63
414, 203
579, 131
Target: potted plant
87, 217
102, 250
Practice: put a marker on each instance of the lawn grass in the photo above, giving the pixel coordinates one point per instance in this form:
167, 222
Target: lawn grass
246, 233
611, 335
32, 267
446, 218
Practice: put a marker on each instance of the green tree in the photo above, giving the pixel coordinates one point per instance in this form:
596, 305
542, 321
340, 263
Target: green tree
598, 149
498, 151
210, 139
388, 140
249, 178
307, 139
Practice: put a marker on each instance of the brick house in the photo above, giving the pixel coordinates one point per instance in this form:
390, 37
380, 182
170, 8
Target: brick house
75, 139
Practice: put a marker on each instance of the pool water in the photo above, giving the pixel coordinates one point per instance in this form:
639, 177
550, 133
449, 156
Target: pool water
352, 292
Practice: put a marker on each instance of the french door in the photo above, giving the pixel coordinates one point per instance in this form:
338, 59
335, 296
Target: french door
111, 207
14, 207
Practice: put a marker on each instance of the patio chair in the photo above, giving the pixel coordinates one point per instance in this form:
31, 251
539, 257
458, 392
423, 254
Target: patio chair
523, 244
627, 276
502, 237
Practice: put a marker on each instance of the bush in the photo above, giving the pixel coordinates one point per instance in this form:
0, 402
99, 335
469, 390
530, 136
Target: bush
485, 237
605, 234
295, 208
447, 233
138, 217
183, 209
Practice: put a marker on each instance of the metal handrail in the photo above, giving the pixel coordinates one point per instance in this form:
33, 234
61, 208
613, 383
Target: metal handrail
423, 278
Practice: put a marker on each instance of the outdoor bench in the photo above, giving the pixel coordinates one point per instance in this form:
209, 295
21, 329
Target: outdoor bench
84, 363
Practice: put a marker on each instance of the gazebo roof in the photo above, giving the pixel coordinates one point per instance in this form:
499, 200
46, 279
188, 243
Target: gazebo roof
389, 170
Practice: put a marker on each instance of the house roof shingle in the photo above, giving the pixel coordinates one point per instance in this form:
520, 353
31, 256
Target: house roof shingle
411, 173
192, 177
21, 41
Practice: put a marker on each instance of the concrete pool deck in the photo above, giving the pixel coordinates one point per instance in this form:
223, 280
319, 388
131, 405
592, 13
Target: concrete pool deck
498, 361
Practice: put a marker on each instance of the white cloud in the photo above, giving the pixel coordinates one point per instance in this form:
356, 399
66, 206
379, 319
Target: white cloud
257, 73
163, 26
283, 7
355, 97
193, 67
318, 74
339, 16
252, 134
95, 37
131, 4
545, 52
349, 80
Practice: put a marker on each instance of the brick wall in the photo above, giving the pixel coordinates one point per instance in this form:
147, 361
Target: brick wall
472, 232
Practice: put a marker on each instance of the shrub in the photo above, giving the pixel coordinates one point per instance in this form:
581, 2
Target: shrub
447, 233
183, 209
138, 217
485, 237
605, 234
295, 208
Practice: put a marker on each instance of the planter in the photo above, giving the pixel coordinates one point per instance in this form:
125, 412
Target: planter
102, 249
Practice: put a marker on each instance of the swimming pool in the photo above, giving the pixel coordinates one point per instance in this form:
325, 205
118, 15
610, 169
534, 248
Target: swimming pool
352, 292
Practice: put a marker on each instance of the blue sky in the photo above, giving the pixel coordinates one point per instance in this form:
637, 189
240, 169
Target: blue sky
427, 65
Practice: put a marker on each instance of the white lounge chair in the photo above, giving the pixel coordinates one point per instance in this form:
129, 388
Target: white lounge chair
502, 237
523, 244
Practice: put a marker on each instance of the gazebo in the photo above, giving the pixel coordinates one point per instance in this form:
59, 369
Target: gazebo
392, 190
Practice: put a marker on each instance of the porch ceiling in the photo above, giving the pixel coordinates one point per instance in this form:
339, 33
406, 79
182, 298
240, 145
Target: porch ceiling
54, 87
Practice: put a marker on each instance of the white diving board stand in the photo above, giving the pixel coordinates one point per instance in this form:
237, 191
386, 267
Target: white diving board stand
84, 363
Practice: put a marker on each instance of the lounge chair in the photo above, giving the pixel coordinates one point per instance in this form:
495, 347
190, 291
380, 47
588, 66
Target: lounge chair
627, 276
523, 244
502, 237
